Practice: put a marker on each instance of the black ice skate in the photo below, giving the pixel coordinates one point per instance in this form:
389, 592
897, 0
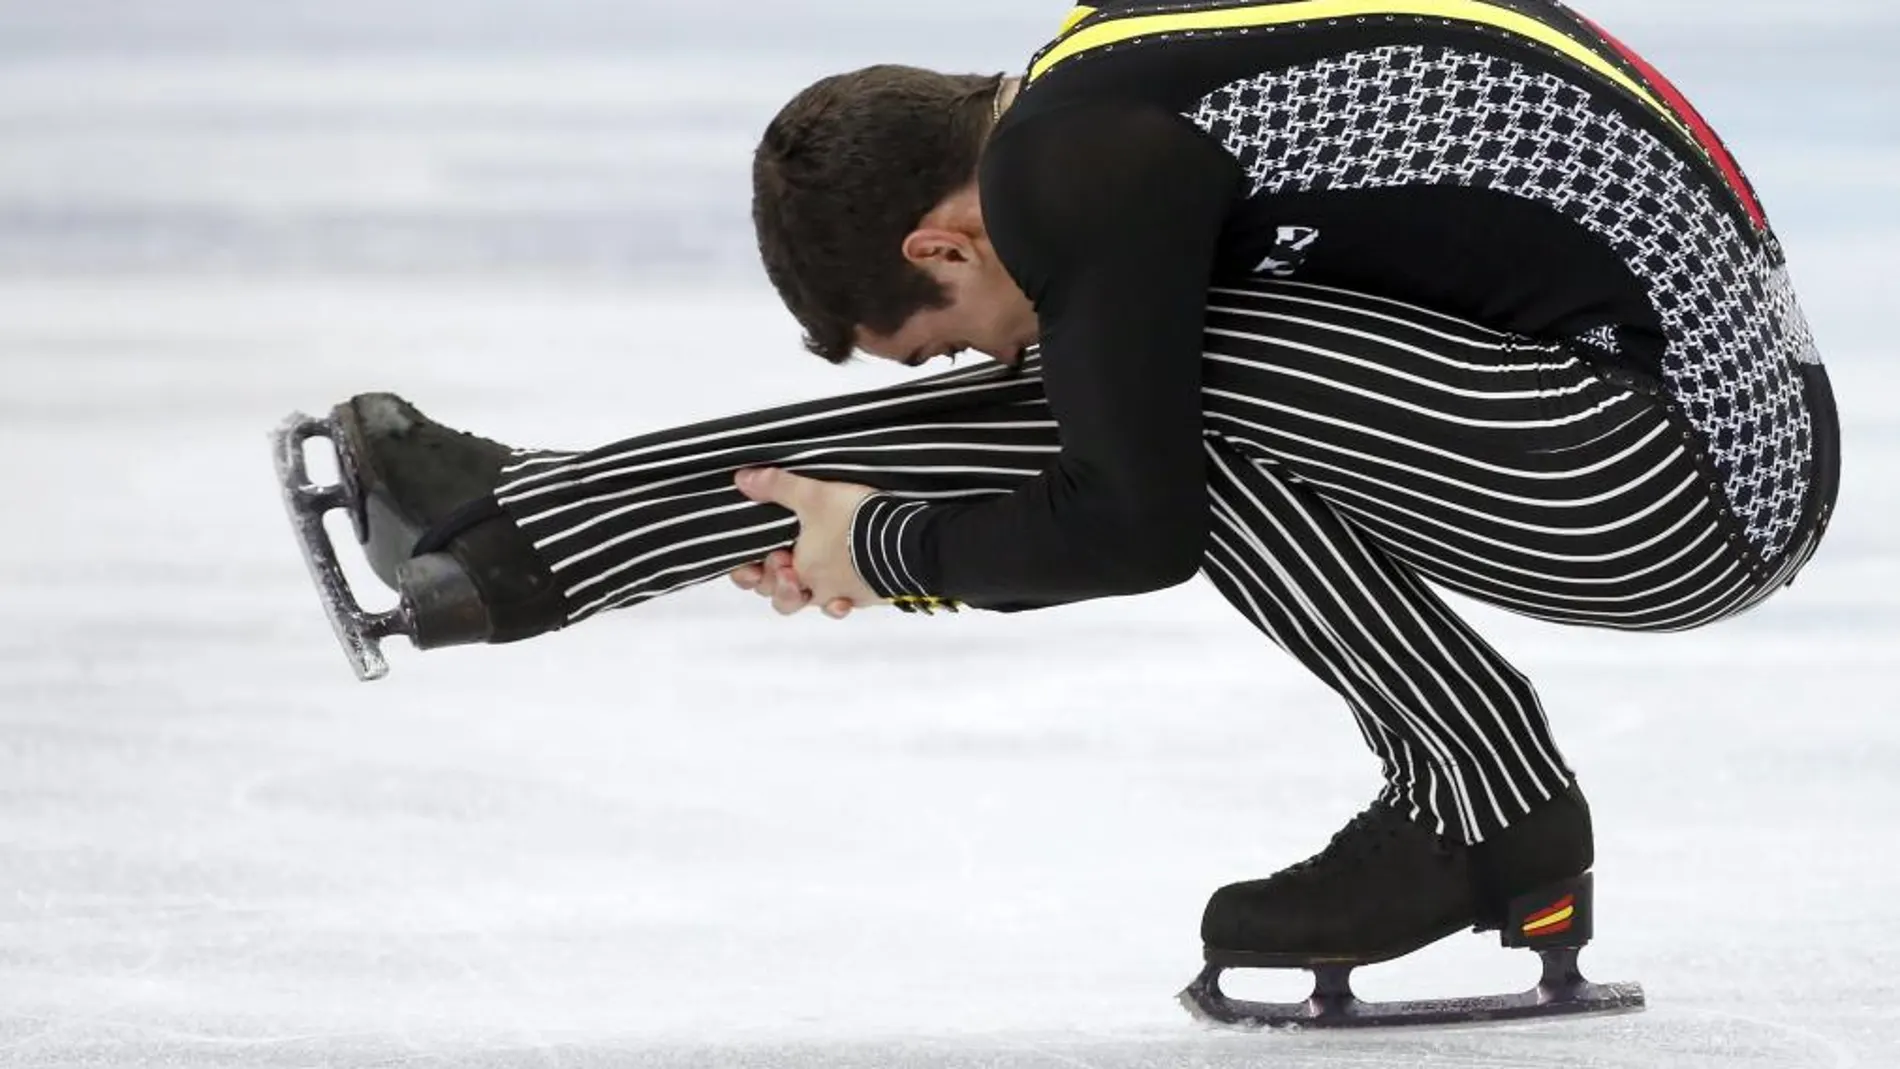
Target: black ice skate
1385, 887
421, 499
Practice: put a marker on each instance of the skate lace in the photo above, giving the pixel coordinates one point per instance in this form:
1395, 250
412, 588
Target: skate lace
1364, 837
462, 518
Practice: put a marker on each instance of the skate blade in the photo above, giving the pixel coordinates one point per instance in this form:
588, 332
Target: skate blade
1563, 993
359, 632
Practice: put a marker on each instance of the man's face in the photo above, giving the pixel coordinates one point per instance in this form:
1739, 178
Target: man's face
987, 312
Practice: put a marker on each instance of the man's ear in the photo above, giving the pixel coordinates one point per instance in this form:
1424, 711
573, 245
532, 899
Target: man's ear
932, 247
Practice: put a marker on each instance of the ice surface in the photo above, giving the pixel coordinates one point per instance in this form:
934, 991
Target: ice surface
695, 834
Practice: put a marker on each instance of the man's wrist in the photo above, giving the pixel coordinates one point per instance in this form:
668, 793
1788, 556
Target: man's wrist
883, 541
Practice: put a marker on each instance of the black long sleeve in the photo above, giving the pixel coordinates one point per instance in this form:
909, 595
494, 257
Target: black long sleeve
1108, 216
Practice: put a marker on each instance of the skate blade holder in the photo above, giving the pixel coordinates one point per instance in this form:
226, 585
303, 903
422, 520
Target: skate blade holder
1554, 922
360, 632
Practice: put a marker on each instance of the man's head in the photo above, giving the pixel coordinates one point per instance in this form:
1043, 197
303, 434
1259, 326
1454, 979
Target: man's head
864, 196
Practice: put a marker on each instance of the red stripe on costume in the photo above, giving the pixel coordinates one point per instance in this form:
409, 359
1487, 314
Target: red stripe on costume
1705, 134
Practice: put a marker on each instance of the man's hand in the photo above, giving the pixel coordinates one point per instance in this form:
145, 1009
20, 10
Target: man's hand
818, 570
776, 580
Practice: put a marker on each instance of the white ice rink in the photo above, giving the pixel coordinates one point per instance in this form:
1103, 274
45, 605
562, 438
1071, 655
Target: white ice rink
695, 834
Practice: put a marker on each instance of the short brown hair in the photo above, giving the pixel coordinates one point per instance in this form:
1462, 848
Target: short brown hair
843, 173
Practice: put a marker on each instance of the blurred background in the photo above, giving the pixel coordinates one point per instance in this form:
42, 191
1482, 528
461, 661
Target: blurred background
597, 140
696, 834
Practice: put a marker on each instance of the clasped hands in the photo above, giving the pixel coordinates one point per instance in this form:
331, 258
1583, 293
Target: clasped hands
818, 569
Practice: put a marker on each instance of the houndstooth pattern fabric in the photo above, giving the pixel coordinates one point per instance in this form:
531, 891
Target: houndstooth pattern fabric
1419, 115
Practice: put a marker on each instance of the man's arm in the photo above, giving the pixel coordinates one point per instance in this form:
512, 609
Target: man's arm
1108, 216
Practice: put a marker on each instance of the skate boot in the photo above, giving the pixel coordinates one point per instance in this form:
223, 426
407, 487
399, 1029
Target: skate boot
421, 499
1386, 886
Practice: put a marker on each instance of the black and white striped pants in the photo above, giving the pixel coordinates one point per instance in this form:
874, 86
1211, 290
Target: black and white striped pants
1357, 450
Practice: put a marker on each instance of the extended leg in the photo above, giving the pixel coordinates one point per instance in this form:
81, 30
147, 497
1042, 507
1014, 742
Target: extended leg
485, 546
632, 521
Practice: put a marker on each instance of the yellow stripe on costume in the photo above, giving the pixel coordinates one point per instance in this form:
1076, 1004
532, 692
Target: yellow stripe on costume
1117, 31
926, 604
1075, 16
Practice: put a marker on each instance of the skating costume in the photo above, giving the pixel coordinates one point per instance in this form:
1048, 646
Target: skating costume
1338, 298
1341, 300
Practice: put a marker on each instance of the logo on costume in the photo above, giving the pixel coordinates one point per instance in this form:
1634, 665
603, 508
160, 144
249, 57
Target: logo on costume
1290, 247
